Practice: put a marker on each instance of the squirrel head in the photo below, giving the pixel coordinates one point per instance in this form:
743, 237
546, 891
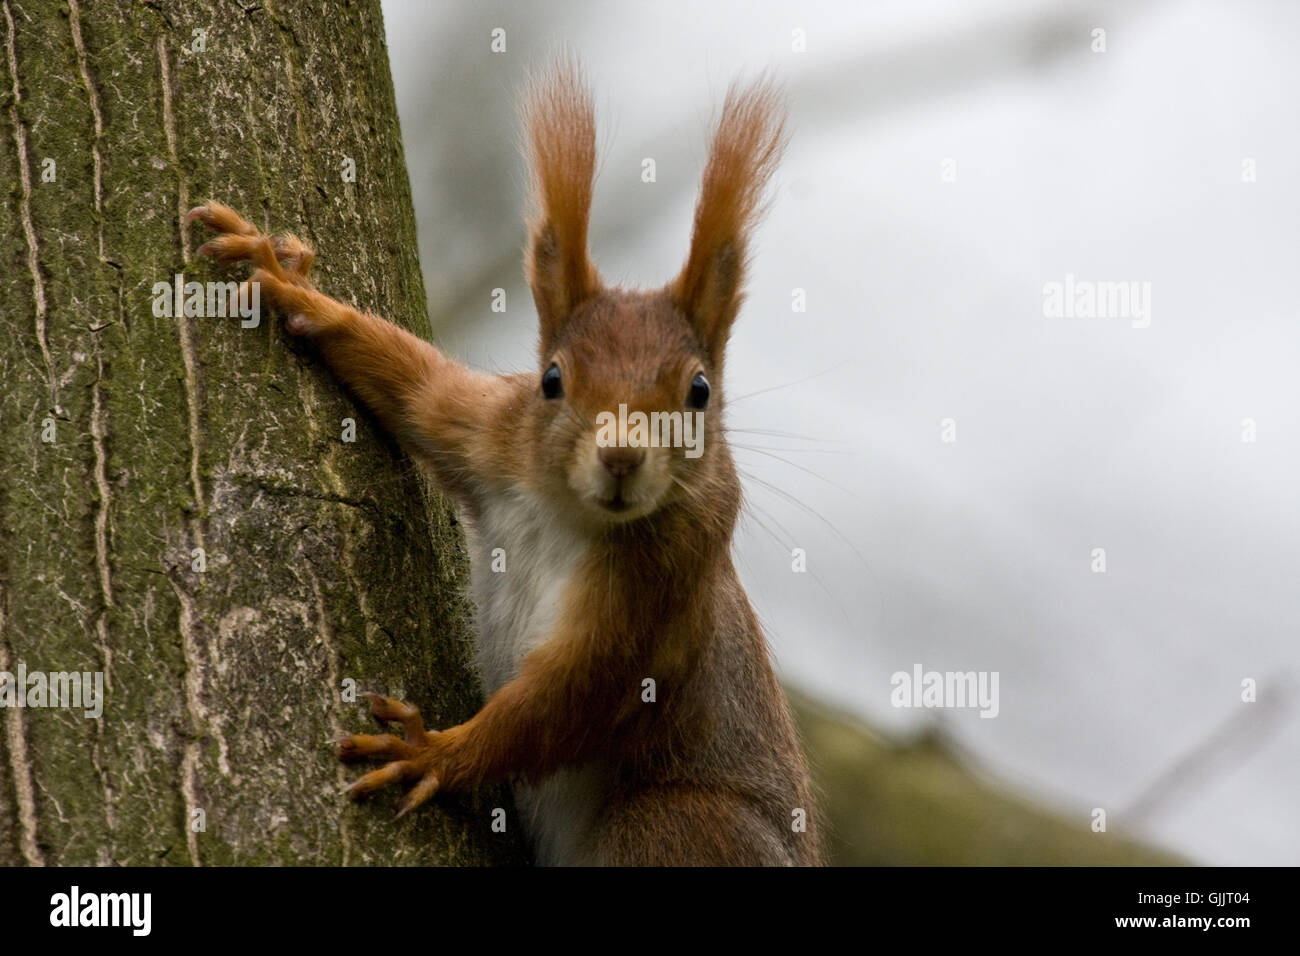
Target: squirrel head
629, 385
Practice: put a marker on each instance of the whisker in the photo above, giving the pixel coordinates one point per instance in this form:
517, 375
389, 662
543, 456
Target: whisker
774, 433
787, 546
802, 451
810, 511
798, 381
833, 484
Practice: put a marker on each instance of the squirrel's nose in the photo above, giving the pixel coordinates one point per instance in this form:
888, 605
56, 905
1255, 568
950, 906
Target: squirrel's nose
619, 460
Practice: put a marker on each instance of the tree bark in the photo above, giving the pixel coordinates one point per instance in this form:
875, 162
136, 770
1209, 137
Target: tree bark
326, 561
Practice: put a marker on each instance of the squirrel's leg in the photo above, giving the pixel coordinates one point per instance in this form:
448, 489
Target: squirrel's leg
431, 403
526, 728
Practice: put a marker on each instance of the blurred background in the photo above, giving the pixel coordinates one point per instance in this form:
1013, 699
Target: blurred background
948, 159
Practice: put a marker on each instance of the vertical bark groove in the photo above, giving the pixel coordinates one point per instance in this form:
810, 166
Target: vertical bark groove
329, 565
25, 181
20, 768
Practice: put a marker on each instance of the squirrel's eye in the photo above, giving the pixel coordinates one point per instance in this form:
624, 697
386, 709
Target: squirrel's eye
551, 387
698, 396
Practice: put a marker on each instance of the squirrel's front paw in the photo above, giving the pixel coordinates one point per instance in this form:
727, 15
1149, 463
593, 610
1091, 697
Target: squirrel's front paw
417, 757
282, 265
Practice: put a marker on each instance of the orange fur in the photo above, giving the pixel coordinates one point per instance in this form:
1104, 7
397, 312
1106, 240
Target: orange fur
747, 146
560, 130
710, 771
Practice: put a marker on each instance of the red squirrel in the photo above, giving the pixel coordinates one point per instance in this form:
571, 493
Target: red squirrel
619, 568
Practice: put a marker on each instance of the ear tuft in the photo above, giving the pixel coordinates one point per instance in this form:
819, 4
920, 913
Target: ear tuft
560, 142
746, 148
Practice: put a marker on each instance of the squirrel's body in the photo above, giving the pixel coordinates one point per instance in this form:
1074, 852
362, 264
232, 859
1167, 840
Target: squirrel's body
576, 814
516, 610
631, 702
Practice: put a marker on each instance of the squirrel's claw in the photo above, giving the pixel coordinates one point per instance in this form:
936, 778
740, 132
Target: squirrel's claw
359, 746
421, 792
240, 239
410, 758
408, 715
221, 218
377, 779
231, 247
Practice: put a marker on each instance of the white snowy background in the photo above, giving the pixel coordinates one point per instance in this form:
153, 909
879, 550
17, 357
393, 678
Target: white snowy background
1119, 690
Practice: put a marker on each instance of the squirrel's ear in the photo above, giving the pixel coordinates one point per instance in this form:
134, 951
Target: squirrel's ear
560, 142
746, 148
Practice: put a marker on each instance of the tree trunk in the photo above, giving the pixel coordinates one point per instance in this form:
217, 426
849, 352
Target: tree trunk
132, 441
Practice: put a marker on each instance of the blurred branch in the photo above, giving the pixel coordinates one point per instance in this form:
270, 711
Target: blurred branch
1245, 730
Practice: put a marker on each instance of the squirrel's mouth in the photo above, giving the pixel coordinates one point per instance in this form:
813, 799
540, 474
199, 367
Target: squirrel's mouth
615, 504
622, 498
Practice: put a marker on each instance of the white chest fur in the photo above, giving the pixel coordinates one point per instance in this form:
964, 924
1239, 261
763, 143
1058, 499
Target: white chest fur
521, 561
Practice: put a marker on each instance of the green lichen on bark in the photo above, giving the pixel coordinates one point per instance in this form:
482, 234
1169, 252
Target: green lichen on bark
325, 560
